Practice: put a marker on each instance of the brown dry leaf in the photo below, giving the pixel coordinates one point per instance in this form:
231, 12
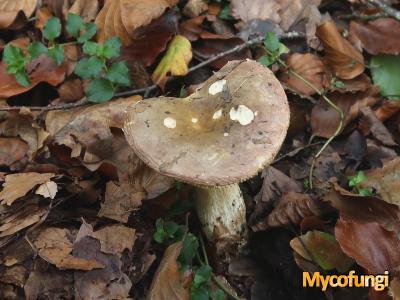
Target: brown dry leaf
371, 123
168, 282
325, 120
324, 249
22, 219
378, 36
394, 289
248, 10
114, 239
293, 11
175, 61
42, 69
343, 58
87, 9
373, 247
361, 209
386, 181
118, 204
193, 8
18, 185
12, 150
292, 208
42, 15
192, 28
311, 68
47, 190
10, 9
54, 245
16, 275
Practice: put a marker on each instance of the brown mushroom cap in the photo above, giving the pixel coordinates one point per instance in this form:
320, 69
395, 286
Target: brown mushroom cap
222, 134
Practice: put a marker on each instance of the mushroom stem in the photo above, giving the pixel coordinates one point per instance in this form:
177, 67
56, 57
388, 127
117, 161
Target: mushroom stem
222, 212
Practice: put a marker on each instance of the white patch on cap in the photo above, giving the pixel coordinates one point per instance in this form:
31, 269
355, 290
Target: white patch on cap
242, 114
217, 87
170, 123
194, 120
217, 114
226, 134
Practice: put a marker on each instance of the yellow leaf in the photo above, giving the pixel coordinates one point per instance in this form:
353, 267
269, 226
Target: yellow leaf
174, 62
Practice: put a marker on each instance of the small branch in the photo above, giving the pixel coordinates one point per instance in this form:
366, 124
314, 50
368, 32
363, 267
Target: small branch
386, 8
363, 17
84, 102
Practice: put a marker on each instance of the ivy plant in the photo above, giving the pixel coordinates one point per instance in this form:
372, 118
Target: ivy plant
99, 66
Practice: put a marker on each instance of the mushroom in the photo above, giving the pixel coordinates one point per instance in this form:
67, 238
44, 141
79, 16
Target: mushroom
221, 135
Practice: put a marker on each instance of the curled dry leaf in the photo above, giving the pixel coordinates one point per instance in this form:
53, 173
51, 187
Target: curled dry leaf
293, 11
12, 150
325, 120
386, 181
122, 17
42, 69
10, 9
311, 68
324, 249
373, 247
175, 62
87, 9
48, 189
292, 208
247, 10
378, 36
18, 185
343, 58
168, 282
54, 245
114, 239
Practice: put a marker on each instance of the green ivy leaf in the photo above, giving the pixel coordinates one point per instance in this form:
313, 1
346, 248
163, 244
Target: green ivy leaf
89, 67
112, 47
271, 42
22, 78
160, 233
89, 30
119, 74
385, 74
74, 25
365, 192
92, 48
57, 53
35, 49
355, 180
201, 293
202, 276
100, 90
218, 295
266, 60
14, 58
189, 249
52, 28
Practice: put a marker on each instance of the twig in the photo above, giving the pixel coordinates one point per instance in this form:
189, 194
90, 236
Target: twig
386, 8
84, 101
363, 16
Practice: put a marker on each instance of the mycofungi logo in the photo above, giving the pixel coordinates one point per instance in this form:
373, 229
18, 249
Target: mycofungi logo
378, 282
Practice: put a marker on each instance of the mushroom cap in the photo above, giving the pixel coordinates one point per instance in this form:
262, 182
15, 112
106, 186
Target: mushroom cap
224, 133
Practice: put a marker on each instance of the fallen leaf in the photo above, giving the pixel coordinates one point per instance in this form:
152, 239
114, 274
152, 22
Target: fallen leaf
18, 185
42, 15
373, 247
309, 67
325, 120
47, 190
9, 10
71, 90
387, 109
207, 48
371, 123
54, 245
118, 204
322, 248
344, 59
363, 209
384, 69
378, 36
386, 181
291, 209
168, 282
149, 41
293, 11
248, 10
12, 150
394, 289
114, 239
42, 69
16, 275
193, 8
87, 9
192, 28
175, 61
